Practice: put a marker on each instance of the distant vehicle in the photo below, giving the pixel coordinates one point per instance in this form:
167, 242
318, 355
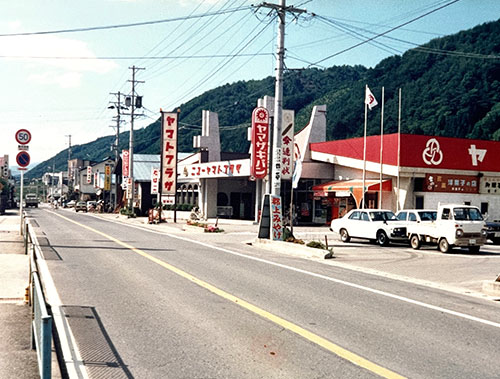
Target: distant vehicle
71, 203
81, 206
456, 225
493, 231
91, 205
377, 225
31, 200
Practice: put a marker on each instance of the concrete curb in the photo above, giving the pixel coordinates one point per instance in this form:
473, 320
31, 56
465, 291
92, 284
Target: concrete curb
491, 288
290, 248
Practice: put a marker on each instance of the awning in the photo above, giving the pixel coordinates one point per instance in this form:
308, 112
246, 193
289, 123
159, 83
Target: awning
354, 186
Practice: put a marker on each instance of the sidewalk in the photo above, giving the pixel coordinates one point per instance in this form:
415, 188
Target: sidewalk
17, 359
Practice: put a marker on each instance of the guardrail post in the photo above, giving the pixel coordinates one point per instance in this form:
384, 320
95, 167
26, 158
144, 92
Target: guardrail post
25, 238
46, 348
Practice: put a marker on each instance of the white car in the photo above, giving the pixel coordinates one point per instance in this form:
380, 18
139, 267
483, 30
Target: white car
378, 225
417, 215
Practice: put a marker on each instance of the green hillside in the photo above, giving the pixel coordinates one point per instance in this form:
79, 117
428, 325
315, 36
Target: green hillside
450, 87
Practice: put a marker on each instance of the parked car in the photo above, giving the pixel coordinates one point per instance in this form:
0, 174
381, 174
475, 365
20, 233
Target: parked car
81, 206
417, 215
493, 231
71, 203
378, 225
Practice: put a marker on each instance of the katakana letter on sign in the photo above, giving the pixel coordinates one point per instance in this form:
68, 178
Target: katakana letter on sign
168, 185
170, 121
169, 171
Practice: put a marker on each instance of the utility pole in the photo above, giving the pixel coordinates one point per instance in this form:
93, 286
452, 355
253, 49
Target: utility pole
131, 139
70, 176
282, 10
118, 106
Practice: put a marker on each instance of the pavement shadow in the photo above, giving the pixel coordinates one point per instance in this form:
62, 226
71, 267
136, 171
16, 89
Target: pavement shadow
98, 353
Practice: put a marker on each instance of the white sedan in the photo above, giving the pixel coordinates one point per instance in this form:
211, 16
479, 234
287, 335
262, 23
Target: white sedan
378, 225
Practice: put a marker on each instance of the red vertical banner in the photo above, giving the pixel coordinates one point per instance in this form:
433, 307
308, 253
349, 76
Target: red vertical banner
276, 219
89, 174
169, 154
260, 143
125, 164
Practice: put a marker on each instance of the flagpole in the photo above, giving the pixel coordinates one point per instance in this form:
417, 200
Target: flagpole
381, 148
364, 151
399, 149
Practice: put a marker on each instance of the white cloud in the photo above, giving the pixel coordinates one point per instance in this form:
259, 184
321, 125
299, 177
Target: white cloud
48, 58
63, 80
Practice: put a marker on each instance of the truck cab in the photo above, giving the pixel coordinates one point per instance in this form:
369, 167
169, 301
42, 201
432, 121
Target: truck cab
31, 200
456, 225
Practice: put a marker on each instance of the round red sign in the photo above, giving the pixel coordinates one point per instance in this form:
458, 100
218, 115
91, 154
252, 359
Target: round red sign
23, 136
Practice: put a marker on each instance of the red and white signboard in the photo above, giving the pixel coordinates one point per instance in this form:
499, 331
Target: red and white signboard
129, 188
224, 169
260, 143
287, 143
89, 174
125, 164
169, 154
155, 181
23, 136
276, 218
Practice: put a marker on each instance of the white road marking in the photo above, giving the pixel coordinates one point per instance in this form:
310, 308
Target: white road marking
324, 277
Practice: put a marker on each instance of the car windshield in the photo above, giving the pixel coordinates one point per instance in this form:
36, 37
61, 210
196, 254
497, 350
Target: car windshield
470, 214
382, 216
428, 215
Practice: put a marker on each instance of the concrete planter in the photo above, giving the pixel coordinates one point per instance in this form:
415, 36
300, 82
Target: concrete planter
290, 248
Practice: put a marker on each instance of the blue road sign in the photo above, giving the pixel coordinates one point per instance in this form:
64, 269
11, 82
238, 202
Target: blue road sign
23, 159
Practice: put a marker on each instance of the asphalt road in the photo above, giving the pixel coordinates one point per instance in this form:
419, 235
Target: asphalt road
153, 305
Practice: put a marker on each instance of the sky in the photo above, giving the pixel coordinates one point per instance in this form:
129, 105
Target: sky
58, 76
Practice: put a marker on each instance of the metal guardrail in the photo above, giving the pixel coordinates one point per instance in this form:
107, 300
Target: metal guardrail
41, 330
41, 327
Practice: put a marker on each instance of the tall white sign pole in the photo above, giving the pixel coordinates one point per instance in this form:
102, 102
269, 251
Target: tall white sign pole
278, 104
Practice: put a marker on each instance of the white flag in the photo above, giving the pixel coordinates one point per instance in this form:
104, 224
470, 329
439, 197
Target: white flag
370, 99
297, 172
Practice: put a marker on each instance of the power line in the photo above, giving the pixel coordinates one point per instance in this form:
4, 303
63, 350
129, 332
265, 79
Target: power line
386, 32
132, 57
129, 25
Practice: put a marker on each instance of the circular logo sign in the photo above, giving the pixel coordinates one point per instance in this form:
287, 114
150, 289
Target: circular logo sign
23, 136
432, 154
23, 159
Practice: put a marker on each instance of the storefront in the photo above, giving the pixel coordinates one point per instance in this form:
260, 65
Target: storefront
417, 172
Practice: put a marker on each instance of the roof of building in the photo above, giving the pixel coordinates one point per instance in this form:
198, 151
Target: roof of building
416, 151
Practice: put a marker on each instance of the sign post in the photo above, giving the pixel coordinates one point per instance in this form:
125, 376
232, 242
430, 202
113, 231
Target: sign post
23, 137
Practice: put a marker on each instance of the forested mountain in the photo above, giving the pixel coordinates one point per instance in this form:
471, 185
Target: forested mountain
450, 87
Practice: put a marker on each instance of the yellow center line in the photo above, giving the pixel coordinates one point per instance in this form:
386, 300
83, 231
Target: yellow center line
320, 341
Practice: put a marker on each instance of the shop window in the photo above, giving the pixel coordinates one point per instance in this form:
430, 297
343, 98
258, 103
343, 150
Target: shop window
419, 184
484, 208
222, 199
419, 202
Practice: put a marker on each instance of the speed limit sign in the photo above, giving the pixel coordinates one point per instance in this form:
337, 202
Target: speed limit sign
23, 136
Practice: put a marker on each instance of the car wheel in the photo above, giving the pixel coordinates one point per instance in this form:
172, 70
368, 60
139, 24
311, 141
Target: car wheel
474, 249
344, 235
415, 242
443, 245
382, 238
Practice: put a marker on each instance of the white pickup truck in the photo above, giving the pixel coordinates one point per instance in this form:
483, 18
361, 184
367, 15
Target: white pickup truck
455, 225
